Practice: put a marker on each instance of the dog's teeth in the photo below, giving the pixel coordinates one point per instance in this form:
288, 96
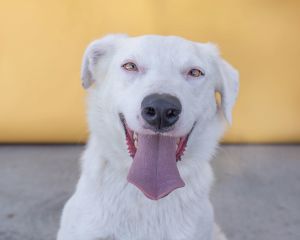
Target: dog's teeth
135, 143
134, 136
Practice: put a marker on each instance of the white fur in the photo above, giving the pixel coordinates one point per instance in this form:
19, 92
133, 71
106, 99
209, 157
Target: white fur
105, 205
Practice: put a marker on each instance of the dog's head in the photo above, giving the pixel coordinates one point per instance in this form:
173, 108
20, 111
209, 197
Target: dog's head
160, 90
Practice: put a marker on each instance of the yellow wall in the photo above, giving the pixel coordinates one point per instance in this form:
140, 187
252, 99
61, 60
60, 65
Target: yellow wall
42, 42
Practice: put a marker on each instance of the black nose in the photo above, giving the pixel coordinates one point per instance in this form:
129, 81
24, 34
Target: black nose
161, 111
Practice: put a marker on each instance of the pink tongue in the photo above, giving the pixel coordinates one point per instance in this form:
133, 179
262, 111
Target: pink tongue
154, 170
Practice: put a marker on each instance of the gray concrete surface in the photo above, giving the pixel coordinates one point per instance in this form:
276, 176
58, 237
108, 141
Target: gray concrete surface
256, 194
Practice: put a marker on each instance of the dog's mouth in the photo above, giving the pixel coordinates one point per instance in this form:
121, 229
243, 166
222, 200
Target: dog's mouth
132, 141
154, 169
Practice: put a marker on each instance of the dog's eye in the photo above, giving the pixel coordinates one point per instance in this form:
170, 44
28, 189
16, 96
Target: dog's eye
130, 66
195, 73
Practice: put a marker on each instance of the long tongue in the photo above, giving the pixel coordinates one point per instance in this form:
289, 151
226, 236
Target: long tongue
154, 170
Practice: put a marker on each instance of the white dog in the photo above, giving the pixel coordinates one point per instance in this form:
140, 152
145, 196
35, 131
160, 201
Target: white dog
154, 126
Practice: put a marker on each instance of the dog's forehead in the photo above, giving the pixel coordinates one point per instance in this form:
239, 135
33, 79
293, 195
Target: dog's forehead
161, 41
158, 46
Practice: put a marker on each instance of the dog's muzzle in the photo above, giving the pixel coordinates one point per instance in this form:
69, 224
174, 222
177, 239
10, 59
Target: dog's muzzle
154, 167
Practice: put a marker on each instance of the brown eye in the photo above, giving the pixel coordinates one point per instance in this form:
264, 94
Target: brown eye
196, 73
130, 67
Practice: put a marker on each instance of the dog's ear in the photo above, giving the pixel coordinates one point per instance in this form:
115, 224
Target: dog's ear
226, 78
227, 86
93, 53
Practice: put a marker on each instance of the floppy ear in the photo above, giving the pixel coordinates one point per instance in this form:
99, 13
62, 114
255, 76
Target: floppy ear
93, 53
227, 86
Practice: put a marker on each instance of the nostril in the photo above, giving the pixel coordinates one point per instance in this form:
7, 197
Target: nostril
172, 113
150, 111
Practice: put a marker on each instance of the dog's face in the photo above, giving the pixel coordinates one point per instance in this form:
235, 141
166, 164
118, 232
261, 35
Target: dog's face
160, 88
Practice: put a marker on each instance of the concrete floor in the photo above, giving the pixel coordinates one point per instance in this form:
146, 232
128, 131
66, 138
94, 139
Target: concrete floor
256, 194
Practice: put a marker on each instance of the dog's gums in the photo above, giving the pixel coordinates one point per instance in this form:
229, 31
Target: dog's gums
132, 140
